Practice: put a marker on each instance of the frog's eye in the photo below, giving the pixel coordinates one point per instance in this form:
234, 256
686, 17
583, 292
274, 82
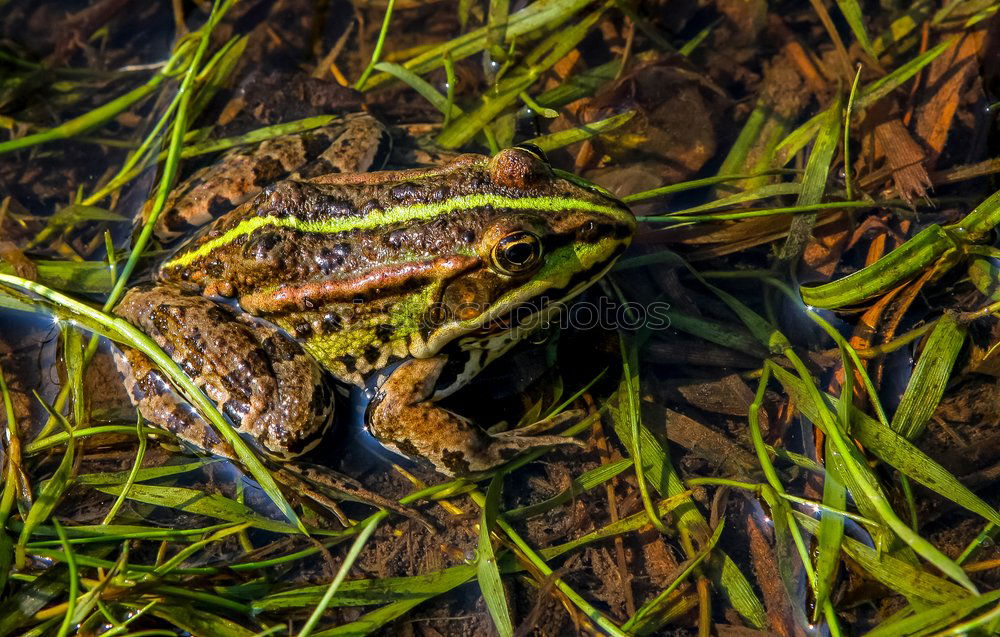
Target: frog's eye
517, 253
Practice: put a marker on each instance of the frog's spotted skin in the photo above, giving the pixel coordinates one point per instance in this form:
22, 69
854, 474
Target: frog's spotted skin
269, 382
444, 269
349, 145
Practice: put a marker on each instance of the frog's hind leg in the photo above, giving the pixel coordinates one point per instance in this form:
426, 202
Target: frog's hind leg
258, 376
404, 419
161, 405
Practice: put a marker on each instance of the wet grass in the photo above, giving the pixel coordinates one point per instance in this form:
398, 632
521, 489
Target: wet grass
59, 578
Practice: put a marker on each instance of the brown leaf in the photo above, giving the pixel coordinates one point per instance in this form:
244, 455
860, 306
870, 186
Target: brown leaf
904, 157
822, 253
946, 80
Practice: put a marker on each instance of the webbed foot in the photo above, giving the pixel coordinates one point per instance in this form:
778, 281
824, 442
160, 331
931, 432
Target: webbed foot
404, 419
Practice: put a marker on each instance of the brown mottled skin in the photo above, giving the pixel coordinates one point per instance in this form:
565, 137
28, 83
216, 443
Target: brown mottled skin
362, 270
270, 383
244, 171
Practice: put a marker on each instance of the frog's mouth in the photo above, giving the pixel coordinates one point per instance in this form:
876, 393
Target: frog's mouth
569, 271
524, 316
521, 318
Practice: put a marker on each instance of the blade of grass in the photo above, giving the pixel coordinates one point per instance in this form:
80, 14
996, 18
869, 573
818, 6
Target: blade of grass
726, 574
893, 449
640, 623
496, 28
762, 192
367, 592
931, 244
898, 574
591, 613
11, 470
903, 28
689, 47
556, 140
797, 139
89, 277
195, 621
930, 376
424, 88
377, 53
934, 618
765, 212
631, 414
49, 494
371, 622
134, 475
452, 78
889, 83
784, 523
861, 473
74, 582
582, 483
624, 525
216, 72
855, 463
541, 58
196, 501
255, 136
124, 332
36, 446
848, 183
486, 562
417, 588
855, 18
202, 598
73, 359
693, 184
831, 527
579, 85
89, 534
130, 480
978, 224
716, 332
165, 568
736, 159
548, 14
813, 183
90, 120
19, 607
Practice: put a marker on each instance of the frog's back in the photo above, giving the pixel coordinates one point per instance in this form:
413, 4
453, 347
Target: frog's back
360, 267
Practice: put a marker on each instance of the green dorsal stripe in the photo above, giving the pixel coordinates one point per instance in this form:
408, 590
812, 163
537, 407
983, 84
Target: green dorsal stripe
393, 216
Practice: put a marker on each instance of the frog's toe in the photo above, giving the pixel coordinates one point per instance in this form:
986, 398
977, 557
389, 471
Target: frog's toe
511, 443
561, 419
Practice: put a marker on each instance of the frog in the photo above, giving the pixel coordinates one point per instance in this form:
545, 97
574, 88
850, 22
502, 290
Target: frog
404, 284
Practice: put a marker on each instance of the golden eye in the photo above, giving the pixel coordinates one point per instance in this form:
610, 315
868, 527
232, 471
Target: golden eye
517, 253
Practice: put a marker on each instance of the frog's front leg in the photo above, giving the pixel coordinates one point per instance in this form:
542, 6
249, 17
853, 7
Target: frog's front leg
404, 419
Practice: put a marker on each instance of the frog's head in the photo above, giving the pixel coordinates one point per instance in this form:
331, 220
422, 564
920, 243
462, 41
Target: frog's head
541, 236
